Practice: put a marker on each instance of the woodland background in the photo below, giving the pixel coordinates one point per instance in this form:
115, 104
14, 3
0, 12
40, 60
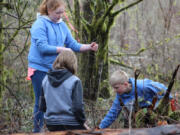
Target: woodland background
143, 36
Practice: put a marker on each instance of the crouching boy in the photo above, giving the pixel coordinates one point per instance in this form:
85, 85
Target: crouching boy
125, 90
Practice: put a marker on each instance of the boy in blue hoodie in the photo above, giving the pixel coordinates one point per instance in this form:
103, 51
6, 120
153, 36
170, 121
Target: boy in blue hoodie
62, 95
125, 90
49, 36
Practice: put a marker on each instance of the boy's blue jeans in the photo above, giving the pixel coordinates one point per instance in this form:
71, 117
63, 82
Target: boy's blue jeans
38, 115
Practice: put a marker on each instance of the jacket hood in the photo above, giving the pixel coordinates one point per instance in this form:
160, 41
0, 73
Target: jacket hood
57, 77
47, 18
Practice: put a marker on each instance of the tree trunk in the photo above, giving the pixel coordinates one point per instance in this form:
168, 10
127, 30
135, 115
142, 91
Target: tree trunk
2, 46
1, 53
94, 66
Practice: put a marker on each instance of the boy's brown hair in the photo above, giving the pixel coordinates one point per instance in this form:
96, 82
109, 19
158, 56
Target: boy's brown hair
118, 77
66, 59
50, 5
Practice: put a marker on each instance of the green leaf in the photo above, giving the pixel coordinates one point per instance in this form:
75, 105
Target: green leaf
145, 110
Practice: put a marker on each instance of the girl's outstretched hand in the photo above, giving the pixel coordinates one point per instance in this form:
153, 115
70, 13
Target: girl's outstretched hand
89, 47
94, 46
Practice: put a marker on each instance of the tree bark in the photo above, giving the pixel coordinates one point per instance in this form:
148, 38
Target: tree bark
1, 53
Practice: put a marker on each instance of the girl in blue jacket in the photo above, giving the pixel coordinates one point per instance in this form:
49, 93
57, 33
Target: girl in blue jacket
49, 36
125, 90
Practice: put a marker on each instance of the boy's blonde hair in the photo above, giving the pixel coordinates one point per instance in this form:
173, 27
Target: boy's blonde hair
50, 5
118, 77
66, 59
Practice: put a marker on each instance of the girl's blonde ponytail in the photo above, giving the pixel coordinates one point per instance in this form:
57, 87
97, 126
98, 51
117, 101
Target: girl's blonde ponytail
43, 8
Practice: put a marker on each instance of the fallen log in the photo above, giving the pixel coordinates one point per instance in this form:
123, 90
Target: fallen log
173, 129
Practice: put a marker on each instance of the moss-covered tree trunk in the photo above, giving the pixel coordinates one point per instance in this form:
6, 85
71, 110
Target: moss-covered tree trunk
1, 52
94, 66
2, 75
96, 21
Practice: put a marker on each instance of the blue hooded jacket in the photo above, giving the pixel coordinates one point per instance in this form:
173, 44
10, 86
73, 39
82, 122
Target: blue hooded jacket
146, 89
45, 37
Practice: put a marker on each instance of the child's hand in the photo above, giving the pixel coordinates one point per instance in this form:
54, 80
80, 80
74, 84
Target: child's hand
86, 126
97, 128
94, 46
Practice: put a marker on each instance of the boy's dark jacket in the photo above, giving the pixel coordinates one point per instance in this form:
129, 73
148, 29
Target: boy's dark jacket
62, 98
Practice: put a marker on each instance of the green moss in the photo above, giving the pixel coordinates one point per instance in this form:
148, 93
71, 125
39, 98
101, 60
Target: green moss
163, 108
145, 118
175, 115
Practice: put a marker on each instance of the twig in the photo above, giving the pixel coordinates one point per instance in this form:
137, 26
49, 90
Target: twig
136, 104
130, 116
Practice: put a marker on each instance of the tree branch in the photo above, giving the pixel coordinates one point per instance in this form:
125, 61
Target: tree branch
125, 8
